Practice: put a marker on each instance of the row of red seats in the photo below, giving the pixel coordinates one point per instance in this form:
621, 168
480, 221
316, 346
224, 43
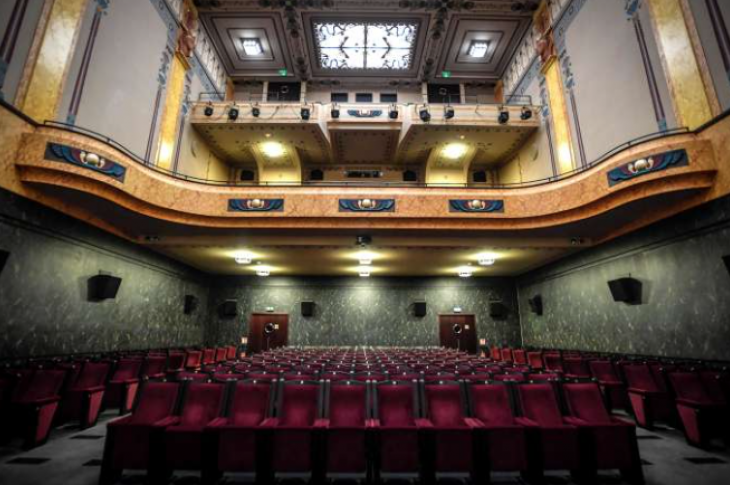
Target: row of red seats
374, 429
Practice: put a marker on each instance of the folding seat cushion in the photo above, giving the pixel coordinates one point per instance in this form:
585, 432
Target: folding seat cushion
369, 376
228, 376
34, 404
82, 401
717, 384
506, 448
520, 356
544, 376
153, 367
515, 377
298, 376
397, 445
293, 428
192, 376
440, 376
703, 416
534, 359
553, 442
345, 445
648, 401
612, 387
576, 368
136, 441
122, 387
447, 431
606, 442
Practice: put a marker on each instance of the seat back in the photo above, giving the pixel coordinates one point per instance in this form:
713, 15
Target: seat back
688, 385
153, 366
299, 403
220, 354
586, 402
157, 401
176, 361
534, 359
208, 356
127, 369
202, 403
444, 404
43, 384
507, 355
520, 356
553, 362
639, 376
539, 403
251, 403
576, 367
603, 370
490, 403
93, 374
347, 404
396, 404
231, 352
193, 358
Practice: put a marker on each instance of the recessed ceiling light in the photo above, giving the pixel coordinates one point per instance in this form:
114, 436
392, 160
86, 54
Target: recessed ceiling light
486, 260
465, 271
273, 149
252, 47
454, 151
364, 271
263, 270
243, 257
478, 48
365, 258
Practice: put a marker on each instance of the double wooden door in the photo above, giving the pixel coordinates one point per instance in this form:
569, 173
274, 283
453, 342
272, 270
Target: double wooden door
267, 331
458, 331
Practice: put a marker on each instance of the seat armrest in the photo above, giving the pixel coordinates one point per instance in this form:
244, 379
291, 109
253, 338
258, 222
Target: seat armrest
119, 421
522, 421
217, 423
473, 423
322, 423
698, 404
269, 423
40, 402
92, 390
643, 392
424, 423
573, 421
132, 380
622, 422
372, 423
165, 422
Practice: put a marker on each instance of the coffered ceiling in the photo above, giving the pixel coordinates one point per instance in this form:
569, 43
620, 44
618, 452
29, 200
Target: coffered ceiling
403, 39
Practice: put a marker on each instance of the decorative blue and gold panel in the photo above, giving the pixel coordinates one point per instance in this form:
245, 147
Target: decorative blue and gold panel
643, 166
367, 205
255, 205
365, 113
64, 153
476, 205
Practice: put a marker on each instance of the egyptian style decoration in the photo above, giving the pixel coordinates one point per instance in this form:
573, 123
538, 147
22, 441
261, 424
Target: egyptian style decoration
367, 205
365, 113
75, 156
476, 205
255, 205
643, 166
187, 33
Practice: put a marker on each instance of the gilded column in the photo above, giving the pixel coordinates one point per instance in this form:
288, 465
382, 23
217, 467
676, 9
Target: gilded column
46, 69
172, 105
693, 96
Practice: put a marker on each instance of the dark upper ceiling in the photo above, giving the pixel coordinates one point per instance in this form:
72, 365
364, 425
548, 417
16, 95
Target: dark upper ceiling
445, 31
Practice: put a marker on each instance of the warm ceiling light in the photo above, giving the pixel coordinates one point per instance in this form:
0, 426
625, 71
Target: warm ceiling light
454, 151
243, 257
478, 48
365, 258
273, 149
263, 270
364, 271
486, 259
252, 47
465, 271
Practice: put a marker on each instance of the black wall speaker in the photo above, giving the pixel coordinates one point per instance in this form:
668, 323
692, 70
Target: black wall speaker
627, 290
247, 176
479, 177
536, 304
3, 259
410, 176
191, 304
726, 259
316, 174
307, 308
228, 309
103, 287
419, 309
284, 91
498, 310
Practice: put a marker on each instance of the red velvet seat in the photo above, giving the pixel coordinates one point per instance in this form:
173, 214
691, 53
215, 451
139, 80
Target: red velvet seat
534, 359
520, 356
121, 389
231, 352
447, 436
703, 416
396, 431
230, 442
208, 356
505, 446
82, 401
544, 376
34, 401
175, 364
194, 360
606, 442
202, 403
136, 441
220, 354
648, 401
515, 377
613, 389
153, 367
553, 363
346, 446
576, 368
552, 442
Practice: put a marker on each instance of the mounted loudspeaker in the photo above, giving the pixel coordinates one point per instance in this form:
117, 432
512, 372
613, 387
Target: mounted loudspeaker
316, 174
498, 310
228, 309
536, 304
410, 176
103, 287
191, 304
627, 290
419, 309
307, 308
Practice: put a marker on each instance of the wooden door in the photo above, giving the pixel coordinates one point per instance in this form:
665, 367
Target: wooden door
267, 331
458, 332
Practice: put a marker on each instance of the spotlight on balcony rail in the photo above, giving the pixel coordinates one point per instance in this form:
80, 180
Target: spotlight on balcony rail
305, 113
255, 110
233, 113
208, 111
449, 112
424, 114
526, 113
335, 112
393, 112
503, 116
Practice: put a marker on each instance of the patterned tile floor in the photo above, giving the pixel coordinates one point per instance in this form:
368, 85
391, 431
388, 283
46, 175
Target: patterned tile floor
72, 457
